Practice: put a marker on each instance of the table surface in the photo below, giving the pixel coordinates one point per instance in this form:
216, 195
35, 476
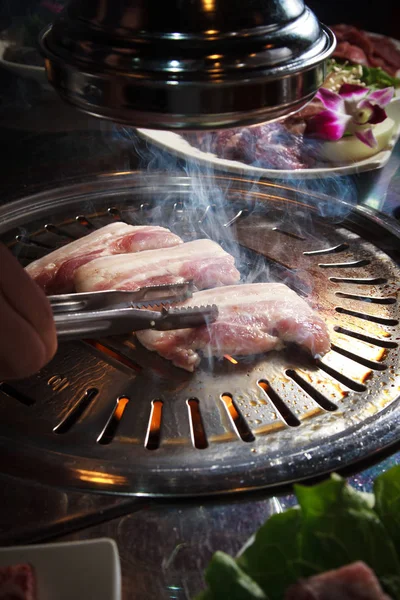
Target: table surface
164, 545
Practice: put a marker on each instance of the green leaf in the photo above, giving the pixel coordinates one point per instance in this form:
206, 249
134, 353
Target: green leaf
272, 558
378, 78
340, 527
227, 580
334, 526
387, 503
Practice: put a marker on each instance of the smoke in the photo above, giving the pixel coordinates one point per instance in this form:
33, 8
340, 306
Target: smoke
205, 203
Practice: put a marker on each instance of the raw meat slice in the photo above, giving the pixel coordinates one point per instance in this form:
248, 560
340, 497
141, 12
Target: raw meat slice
253, 318
347, 51
17, 582
54, 273
352, 582
202, 261
363, 48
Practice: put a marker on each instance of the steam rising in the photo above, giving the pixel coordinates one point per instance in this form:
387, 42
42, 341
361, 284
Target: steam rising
213, 204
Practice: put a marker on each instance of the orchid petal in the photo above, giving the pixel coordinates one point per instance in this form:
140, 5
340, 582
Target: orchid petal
367, 137
353, 93
382, 97
377, 113
331, 100
327, 125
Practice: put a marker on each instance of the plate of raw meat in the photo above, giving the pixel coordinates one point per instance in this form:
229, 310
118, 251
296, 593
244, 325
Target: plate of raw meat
286, 149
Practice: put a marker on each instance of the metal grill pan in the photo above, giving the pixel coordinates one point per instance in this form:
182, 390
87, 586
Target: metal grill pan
112, 417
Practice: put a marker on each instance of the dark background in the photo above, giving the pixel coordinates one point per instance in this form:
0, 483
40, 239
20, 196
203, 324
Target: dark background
381, 16
44, 140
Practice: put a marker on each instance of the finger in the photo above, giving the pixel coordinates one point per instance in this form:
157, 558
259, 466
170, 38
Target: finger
27, 299
22, 350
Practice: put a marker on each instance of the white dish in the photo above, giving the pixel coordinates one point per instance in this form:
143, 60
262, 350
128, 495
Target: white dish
176, 144
73, 570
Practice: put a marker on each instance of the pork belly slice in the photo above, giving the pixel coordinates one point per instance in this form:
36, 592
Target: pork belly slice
55, 271
352, 582
202, 261
253, 318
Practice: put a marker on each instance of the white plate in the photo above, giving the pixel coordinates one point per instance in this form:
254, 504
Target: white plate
71, 571
176, 144
30, 71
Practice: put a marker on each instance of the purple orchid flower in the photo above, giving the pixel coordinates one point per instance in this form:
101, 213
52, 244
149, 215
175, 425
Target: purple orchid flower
353, 110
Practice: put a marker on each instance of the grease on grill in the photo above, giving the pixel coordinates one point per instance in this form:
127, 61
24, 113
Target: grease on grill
287, 415
311, 391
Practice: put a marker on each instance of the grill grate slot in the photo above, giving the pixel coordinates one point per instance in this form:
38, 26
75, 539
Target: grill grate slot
370, 364
15, 394
352, 385
355, 264
87, 223
360, 281
311, 391
110, 430
27, 241
198, 434
366, 338
153, 436
290, 234
370, 299
77, 411
287, 415
60, 231
334, 250
372, 318
237, 419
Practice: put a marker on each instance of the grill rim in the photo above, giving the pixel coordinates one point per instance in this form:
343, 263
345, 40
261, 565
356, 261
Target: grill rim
383, 432
331, 455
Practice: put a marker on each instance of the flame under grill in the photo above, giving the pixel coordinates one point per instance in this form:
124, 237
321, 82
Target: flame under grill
110, 416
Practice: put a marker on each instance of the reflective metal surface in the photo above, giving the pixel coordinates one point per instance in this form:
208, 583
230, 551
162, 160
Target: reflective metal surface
192, 65
113, 417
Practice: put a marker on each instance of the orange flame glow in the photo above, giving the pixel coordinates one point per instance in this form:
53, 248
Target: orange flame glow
231, 359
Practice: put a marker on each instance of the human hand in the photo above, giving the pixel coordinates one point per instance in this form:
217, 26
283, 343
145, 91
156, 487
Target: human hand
28, 338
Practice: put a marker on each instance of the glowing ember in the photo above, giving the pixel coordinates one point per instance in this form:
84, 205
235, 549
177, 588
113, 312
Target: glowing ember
231, 359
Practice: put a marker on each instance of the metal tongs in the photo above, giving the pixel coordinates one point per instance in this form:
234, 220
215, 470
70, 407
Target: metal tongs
114, 312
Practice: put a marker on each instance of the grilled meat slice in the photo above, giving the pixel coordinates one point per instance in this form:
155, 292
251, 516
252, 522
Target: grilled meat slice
54, 273
253, 319
204, 262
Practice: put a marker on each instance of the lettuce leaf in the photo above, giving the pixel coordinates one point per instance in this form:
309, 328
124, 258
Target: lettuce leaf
273, 558
227, 580
387, 503
334, 525
339, 527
